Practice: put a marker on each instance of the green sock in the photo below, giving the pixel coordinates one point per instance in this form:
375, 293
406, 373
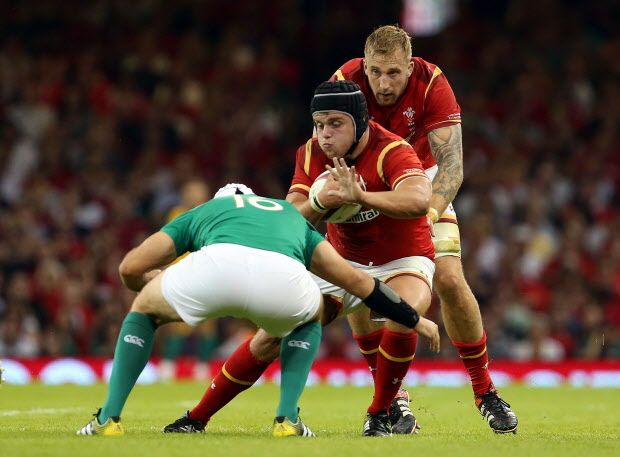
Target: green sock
133, 348
297, 353
207, 344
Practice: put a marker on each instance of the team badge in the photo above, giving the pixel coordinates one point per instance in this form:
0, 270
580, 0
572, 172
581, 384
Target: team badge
409, 114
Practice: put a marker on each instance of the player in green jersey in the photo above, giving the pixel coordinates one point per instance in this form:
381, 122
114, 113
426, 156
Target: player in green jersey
249, 258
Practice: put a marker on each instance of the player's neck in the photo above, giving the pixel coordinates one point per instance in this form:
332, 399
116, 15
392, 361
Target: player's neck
361, 145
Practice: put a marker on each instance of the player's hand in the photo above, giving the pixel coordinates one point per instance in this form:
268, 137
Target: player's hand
430, 330
327, 199
349, 189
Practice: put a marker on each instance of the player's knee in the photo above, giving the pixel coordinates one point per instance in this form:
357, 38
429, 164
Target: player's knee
150, 303
330, 309
449, 280
140, 305
361, 324
265, 347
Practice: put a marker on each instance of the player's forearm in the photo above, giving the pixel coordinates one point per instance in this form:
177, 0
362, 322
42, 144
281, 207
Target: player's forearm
399, 205
447, 148
306, 211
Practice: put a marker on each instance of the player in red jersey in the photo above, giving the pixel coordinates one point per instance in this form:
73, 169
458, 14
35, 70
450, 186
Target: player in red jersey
390, 240
412, 98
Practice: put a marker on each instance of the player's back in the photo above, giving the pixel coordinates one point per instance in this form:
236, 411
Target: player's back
248, 220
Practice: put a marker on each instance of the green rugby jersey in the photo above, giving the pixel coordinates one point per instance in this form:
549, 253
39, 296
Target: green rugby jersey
248, 220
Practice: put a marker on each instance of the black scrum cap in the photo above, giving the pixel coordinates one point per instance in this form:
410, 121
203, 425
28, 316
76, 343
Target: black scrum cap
345, 97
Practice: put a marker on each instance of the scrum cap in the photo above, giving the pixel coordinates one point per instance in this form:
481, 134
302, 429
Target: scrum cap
345, 97
233, 189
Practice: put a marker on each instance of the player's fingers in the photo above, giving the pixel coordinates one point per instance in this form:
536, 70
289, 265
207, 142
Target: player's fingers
432, 344
438, 343
436, 338
333, 172
337, 165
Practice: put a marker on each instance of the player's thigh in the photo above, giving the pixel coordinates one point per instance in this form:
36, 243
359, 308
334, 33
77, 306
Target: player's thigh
151, 301
416, 292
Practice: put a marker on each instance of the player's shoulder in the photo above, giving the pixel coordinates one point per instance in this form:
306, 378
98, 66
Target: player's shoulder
383, 136
425, 71
384, 141
310, 157
307, 148
175, 212
352, 70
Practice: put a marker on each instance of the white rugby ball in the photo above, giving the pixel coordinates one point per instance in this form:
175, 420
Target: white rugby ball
335, 215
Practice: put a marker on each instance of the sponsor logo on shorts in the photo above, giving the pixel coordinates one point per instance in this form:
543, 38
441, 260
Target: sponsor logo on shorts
299, 344
131, 339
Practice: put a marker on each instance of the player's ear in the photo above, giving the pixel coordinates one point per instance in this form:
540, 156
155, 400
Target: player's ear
410, 68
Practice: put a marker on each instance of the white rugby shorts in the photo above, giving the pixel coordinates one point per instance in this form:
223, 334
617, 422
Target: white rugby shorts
271, 289
419, 266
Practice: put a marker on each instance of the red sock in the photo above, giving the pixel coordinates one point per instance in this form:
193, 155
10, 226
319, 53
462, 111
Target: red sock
476, 359
395, 355
369, 347
240, 371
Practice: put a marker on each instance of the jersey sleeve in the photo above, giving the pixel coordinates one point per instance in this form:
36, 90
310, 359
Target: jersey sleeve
401, 163
440, 106
313, 238
178, 230
301, 179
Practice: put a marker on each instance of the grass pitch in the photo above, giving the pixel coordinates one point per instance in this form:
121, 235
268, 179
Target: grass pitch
39, 420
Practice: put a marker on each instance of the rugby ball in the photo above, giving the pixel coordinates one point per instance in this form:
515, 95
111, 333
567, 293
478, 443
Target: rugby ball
335, 215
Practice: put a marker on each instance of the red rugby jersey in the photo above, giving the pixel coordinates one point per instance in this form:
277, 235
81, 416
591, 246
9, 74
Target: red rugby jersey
426, 104
371, 237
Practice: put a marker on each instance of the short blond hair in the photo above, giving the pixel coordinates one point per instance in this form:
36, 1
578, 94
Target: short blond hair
388, 39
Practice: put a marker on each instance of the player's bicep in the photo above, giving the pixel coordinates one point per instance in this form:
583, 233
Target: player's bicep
415, 185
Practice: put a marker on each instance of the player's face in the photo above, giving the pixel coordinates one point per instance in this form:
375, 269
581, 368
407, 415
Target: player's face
335, 133
388, 75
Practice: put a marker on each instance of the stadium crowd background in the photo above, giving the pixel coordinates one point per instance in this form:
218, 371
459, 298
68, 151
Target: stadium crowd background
108, 108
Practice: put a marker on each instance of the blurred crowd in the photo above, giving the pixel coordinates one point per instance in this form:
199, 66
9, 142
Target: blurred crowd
110, 111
